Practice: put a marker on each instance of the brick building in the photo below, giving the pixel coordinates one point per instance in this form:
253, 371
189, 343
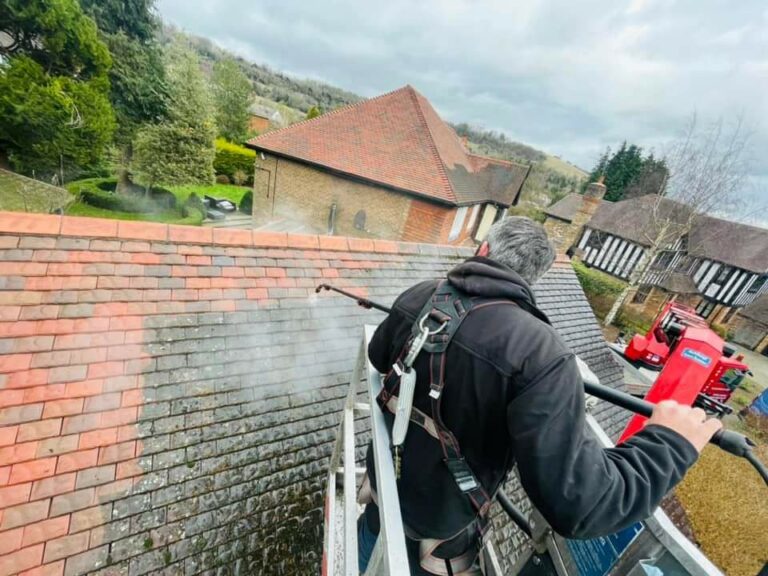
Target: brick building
263, 119
169, 394
387, 167
715, 265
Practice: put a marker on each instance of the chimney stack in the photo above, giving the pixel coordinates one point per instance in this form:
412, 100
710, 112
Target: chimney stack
590, 202
596, 189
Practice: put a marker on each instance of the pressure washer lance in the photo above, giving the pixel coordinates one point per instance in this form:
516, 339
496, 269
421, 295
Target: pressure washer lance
728, 440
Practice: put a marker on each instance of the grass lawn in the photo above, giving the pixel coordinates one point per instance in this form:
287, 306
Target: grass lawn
182, 193
20, 194
725, 499
228, 191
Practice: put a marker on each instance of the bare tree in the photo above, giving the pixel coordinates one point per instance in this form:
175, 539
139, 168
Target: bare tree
707, 172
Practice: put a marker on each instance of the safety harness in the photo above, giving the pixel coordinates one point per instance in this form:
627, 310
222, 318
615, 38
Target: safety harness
435, 327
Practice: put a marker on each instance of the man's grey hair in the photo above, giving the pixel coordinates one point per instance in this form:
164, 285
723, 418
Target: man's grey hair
522, 245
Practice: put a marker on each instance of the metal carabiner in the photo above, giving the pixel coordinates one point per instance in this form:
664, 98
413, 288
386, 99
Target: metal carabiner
425, 329
419, 341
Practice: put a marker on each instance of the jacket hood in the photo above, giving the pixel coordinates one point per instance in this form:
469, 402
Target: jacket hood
480, 276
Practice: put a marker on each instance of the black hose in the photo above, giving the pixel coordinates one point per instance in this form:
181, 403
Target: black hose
728, 440
759, 466
515, 514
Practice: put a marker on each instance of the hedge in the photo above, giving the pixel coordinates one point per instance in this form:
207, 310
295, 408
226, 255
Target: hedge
231, 158
597, 283
100, 192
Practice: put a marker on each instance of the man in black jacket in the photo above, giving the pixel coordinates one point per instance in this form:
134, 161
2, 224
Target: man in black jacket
513, 394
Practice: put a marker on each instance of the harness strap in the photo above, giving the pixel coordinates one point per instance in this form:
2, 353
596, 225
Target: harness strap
446, 310
417, 417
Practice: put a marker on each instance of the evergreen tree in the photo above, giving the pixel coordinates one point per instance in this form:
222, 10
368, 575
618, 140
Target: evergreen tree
137, 77
627, 174
134, 18
55, 115
181, 149
232, 96
598, 170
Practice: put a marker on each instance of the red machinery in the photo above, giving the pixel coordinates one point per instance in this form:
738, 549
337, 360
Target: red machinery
652, 349
675, 323
695, 361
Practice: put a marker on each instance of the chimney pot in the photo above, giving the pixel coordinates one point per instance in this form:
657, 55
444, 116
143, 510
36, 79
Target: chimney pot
596, 189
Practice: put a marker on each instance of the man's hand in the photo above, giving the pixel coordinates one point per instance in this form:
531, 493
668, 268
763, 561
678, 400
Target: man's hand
690, 423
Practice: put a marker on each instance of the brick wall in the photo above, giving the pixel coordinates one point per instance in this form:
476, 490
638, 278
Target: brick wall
305, 194
258, 124
427, 222
168, 394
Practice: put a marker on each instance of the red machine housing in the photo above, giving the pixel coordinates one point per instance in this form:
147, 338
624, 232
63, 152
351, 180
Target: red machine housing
688, 367
695, 365
652, 349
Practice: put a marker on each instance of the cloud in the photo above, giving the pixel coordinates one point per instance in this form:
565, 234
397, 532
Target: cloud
568, 77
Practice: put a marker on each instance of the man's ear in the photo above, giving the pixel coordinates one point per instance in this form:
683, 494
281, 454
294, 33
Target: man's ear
484, 249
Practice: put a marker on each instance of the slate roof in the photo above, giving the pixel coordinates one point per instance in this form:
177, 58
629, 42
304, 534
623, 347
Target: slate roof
190, 377
400, 141
642, 219
565, 208
730, 242
757, 310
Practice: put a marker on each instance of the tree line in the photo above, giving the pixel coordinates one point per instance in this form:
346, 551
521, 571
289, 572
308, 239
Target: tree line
88, 87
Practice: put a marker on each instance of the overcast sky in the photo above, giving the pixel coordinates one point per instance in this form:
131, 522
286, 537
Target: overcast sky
567, 76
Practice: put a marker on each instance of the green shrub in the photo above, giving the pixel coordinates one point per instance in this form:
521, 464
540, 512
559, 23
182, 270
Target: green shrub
239, 177
601, 289
192, 216
246, 203
721, 331
597, 283
231, 158
632, 322
194, 201
163, 198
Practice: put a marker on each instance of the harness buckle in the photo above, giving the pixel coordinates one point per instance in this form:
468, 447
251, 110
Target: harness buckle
462, 474
435, 391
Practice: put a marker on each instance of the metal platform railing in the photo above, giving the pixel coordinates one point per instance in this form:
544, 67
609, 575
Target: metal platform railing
389, 557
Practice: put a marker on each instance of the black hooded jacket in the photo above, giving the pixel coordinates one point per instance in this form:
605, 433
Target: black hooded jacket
513, 394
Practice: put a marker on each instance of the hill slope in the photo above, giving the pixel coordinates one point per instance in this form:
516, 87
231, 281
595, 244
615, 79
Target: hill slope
551, 178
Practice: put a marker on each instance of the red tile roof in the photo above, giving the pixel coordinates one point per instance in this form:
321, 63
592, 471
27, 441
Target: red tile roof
398, 140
